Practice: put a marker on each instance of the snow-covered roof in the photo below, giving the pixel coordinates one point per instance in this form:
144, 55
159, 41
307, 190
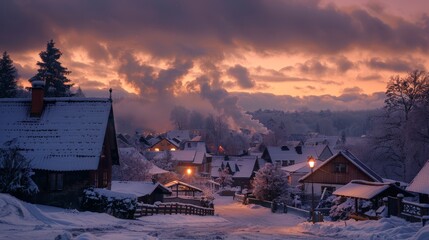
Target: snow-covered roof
176, 182
139, 189
300, 167
68, 136
183, 155
180, 134
200, 150
355, 161
241, 167
420, 183
362, 189
298, 154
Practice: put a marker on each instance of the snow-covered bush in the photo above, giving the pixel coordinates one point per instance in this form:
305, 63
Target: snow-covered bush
15, 172
271, 183
116, 204
342, 207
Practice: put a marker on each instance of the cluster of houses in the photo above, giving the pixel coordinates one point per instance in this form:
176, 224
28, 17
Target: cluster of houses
72, 144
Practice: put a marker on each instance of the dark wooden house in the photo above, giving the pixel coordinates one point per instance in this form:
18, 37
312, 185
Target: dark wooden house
71, 143
336, 172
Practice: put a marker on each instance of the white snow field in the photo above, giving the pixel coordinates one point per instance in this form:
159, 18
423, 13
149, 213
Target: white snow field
20, 220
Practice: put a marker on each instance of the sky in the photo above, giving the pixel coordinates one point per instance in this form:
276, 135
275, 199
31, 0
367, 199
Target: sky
222, 57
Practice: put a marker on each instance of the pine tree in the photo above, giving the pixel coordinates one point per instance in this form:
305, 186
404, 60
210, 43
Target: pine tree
51, 71
8, 75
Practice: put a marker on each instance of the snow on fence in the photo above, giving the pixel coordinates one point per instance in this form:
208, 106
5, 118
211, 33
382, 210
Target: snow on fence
172, 208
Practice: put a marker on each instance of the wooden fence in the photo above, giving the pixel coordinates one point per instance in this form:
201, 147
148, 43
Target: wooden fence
410, 211
172, 208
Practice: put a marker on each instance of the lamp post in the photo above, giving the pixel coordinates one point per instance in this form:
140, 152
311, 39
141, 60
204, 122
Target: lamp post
311, 163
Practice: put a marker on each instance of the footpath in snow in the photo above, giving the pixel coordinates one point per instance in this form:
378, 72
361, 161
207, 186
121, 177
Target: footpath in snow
19, 220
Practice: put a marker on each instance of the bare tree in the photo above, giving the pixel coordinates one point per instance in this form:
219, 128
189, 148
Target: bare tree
397, 139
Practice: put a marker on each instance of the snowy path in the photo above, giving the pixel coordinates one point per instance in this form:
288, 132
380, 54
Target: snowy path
19, 220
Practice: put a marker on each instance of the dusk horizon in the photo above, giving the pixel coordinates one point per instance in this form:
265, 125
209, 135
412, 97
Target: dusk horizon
222, 57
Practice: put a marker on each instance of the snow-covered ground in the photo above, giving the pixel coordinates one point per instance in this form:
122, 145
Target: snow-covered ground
19, 220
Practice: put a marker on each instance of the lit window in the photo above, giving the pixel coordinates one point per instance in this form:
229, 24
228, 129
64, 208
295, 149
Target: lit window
156, 149
173, 149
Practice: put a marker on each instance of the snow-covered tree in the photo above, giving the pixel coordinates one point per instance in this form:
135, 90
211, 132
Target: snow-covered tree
8, 75
225, 177
164, 161
133, 167
270, 183
15, 172
53, 73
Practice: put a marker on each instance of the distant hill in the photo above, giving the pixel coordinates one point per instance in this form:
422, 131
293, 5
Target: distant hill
351, 123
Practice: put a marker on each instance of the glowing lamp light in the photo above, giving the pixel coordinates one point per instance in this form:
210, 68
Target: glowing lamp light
173, 149
156, 149
189, 171
311, 162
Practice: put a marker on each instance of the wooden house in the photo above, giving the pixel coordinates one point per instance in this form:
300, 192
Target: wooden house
336, 172
146, 192
71, 143
242, 169
164, 144
420, 184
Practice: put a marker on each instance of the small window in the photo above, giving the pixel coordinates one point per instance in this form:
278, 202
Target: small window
104, 179
96, 180
56, 181
291, 162
340, 168
285, 163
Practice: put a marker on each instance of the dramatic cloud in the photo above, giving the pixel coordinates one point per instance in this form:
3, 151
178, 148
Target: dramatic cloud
242, 76
198, 54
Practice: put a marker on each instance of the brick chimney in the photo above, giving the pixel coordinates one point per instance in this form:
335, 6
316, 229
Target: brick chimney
37, 93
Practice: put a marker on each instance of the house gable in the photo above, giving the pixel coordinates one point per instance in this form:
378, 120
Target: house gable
341, 169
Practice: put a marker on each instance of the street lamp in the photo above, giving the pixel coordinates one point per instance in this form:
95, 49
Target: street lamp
311, 163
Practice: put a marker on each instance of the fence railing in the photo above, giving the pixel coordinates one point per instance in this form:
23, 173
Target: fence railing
172, 208
411, 211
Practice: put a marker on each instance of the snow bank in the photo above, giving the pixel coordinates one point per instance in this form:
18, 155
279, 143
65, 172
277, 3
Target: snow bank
385, 228
13, 211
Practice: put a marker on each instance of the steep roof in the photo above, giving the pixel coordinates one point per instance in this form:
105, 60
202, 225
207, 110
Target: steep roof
241, 167
355, 161
420, 183
299, 167
139, 189
68, 136
298, 154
